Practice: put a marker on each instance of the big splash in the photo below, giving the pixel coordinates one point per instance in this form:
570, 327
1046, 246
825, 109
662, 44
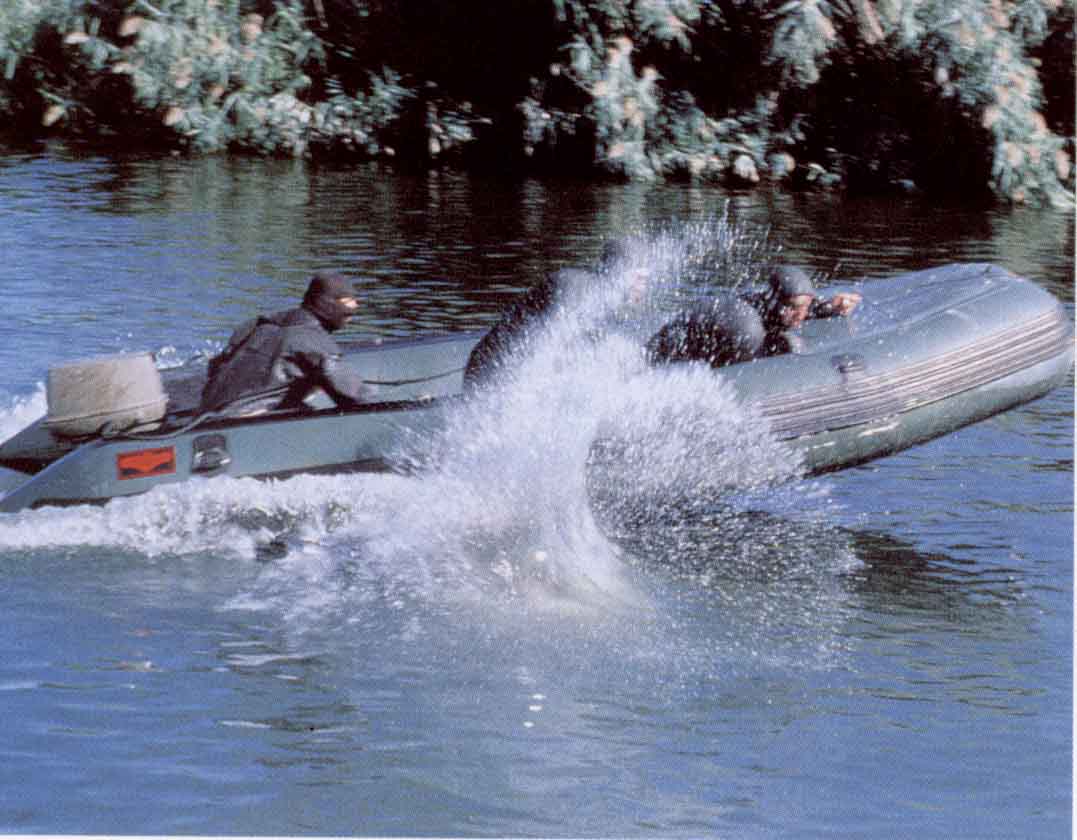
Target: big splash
524, 494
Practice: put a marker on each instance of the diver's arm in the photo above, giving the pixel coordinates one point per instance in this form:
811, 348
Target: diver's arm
317, 362
842, 304
343, 383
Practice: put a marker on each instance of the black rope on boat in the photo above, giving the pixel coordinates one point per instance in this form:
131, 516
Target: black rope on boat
132, 433
396, 383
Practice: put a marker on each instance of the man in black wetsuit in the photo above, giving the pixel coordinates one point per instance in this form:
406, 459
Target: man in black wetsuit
788, 301
722, 333
276, 361
537, 304
738, 328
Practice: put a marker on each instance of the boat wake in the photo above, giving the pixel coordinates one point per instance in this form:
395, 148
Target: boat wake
16, 413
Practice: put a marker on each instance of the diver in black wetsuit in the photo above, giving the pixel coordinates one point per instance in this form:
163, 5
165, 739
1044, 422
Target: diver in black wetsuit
749, 326
732, 328
725, 332
537, 304
276, 361
788, 301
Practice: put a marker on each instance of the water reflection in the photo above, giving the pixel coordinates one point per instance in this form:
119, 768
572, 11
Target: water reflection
829, 574
898, 577
211, 240
321, 691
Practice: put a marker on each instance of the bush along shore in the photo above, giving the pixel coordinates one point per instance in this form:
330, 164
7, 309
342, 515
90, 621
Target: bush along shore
966, 97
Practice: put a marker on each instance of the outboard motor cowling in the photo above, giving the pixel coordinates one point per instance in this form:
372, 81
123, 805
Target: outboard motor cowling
107, 394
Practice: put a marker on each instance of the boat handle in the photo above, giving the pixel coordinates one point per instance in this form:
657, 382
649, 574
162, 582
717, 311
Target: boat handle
209, 453
849, 363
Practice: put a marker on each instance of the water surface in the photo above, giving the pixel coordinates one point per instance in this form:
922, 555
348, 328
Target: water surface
496, 645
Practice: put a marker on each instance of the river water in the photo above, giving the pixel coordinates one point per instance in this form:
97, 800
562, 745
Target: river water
493, 645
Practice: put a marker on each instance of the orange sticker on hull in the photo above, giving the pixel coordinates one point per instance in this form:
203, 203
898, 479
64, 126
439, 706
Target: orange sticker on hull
145, 463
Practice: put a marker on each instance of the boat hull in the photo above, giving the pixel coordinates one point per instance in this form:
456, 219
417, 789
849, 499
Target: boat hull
319, 442
414, 378
930, 352
850, 446
926, 353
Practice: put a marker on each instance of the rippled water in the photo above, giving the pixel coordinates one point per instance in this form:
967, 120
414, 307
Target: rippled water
503, 643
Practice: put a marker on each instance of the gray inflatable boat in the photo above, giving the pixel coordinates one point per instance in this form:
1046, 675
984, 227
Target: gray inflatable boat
923, 355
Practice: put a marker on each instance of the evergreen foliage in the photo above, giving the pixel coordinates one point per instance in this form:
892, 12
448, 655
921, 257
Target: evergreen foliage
969, 96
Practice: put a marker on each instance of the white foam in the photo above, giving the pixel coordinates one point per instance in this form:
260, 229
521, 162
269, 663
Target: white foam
21, 412
232, 516
498, 508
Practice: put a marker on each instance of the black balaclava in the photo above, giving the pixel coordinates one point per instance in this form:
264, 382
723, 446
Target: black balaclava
788, 281
323, 299
785, 282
